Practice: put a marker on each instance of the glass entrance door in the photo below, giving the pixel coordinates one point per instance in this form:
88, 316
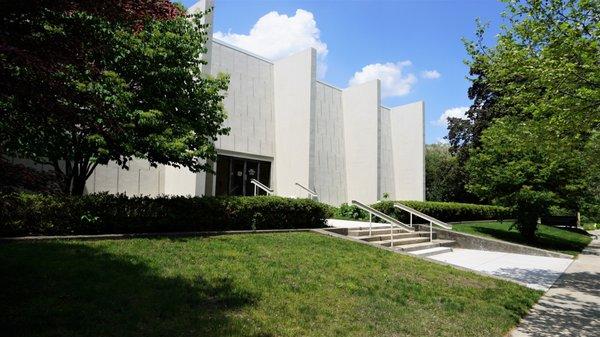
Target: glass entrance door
234, 175
236, 183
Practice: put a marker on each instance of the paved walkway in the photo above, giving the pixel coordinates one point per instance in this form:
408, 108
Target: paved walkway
537, 272
572, 306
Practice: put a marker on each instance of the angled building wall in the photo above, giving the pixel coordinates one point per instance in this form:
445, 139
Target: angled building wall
294, 108
361, 109
339, 142
408, 145
387, 181
330, 149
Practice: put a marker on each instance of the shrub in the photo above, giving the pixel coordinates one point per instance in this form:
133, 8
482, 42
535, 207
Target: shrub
36, 214
351, 212
445, 211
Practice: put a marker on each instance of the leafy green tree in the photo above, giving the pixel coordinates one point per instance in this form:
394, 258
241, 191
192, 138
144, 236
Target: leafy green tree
522, 166
444, 177
88, 82
545, 74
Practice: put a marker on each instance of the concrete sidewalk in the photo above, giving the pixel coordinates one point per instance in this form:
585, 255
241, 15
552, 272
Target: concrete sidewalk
537, 272
572, 306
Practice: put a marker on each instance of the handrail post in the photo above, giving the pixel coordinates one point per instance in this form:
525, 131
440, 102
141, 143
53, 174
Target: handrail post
254, 189
370, 225
391, 235
410, 219
430, 231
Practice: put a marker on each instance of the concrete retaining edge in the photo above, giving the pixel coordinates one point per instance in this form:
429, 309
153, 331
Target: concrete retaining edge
144, 235
478, 221
469, 241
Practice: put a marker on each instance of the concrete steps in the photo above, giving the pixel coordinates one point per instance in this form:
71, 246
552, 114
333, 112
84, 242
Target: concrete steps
386, 236
410, 248
432, 251
401, 242
414, 242
362, 232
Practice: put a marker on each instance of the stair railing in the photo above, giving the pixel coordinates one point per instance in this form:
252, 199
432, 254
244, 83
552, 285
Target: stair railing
392, 221
423, 216
258, 184
312, 193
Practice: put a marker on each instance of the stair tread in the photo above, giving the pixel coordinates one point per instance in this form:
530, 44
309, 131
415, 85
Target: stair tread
434, 243
431, 250
356, 229
420, 238
416, 234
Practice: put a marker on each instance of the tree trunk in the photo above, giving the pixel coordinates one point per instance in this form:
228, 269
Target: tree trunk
74, 177
78, 185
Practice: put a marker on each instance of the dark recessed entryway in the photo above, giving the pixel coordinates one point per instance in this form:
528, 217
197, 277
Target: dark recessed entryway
234, 175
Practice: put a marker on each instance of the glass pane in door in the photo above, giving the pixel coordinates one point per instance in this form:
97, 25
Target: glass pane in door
236, 184
264, 174
222, 185
251, 173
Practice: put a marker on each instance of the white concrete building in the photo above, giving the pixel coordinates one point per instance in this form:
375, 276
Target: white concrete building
286, 128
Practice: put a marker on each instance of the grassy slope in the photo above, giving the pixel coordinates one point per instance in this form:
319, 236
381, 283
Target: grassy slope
562, 240
296, 284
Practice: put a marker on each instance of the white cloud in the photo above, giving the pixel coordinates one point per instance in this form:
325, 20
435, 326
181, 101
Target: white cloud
393, 80
431, 74
442, 140
458, 112
275, 36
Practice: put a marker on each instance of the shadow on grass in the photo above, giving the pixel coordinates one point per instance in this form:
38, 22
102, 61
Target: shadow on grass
576, 230
72, 289
544, 240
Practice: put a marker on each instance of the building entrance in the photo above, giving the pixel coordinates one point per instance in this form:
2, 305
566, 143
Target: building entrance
234, 175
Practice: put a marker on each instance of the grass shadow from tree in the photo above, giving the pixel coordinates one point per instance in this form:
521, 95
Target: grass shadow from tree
71, 289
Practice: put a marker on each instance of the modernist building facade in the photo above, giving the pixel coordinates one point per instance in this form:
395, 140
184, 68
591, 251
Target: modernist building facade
287, 127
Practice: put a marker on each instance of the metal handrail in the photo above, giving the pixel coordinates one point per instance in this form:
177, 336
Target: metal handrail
311, 192
422, 215
393, 222
431, 219
261, 186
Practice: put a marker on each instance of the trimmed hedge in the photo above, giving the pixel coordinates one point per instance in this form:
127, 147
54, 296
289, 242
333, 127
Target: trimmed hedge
36, 214
445, 211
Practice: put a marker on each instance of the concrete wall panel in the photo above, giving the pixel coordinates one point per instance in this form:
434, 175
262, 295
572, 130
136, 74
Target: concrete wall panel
249, 101
361, 110
408, 144
294, 102
139, 179
330, 153
387, 183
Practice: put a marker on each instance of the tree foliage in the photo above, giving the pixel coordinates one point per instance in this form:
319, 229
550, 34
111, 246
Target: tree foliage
544, 73
444, 176
88, 82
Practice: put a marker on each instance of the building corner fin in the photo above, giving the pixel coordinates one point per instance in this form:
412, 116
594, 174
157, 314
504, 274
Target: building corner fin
420, 104
201, 6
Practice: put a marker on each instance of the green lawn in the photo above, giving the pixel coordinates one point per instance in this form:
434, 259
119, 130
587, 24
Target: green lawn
294, 284
562, 240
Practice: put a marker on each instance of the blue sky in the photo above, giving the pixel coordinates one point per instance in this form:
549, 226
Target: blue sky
413, 46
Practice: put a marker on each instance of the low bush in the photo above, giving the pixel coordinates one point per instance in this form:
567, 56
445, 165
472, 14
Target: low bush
348, 212
36, 214
445, 211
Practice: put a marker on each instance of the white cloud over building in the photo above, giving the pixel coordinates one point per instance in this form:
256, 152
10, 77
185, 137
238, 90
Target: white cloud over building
275, 36
394, 81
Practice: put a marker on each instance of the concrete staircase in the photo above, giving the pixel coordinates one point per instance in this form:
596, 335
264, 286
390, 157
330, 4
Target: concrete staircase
414, 242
